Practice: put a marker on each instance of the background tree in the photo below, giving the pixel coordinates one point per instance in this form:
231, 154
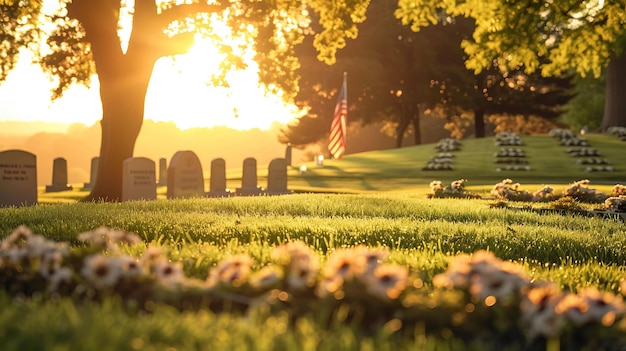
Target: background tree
587, 107
391, 76
85, 41
510, 93
396, 74
553, 36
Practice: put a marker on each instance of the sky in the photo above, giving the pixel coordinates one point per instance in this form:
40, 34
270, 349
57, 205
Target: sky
178, 95
178, 92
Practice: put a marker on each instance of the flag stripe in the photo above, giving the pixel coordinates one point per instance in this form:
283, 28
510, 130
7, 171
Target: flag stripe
337, 137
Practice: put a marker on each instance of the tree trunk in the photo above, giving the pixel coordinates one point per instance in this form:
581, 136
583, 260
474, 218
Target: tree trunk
479, 123
123, 96
400, 130
417, 129
403, 123
615, 94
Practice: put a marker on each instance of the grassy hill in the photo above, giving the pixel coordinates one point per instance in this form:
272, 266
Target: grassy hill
401, 169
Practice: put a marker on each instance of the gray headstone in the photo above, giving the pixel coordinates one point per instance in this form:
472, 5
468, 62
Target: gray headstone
184, 176
277, 177
162, 171
138, 179
93, 176
59, 176
218, 179
288, 155
249, 179
18, 178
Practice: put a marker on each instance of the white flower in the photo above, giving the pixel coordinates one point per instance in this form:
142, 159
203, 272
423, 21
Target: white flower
61, 275
371, 258
15, 255
108, 238
604, 307
129, 265
168, 273
387, 281
344, 264
17, 238
150, 256
300, 264
101, 271
483, 275
50, 262
234, 270
538, 312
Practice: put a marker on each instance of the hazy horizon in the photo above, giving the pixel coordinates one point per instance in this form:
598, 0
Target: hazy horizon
78, 144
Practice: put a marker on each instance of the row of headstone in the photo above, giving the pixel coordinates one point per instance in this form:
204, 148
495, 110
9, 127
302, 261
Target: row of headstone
95, 161
184, 178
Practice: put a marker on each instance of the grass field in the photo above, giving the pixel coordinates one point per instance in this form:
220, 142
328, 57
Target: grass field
226, 278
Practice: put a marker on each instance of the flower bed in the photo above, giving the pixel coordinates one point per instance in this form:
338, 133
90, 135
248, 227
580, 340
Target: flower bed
477, 297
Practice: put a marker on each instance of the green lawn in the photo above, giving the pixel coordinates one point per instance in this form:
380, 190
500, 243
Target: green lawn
507, 299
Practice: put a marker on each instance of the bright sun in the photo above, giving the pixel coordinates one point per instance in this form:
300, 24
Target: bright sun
178, 92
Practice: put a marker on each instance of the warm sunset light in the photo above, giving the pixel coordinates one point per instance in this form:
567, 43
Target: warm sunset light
179, 92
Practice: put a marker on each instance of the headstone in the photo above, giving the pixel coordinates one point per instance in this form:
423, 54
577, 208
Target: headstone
162, 171
59, 176
184, 176
249, 179
95, 161
277, 177
288, 155
18, 178
218, 179
138, 179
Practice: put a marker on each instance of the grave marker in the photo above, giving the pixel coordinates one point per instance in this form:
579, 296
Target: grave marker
138, 179
95, 161
277, 177
162, 171
218, 179
249, 179
184, 176
59, 176
18, 178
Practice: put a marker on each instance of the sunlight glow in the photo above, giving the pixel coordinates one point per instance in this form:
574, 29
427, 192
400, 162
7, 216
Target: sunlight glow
179, 92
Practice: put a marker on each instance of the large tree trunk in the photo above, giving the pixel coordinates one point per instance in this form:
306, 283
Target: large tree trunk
479, 123
615, 94
124, 77
123, 97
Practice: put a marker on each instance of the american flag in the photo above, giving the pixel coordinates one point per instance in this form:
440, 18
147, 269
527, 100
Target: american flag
337, 138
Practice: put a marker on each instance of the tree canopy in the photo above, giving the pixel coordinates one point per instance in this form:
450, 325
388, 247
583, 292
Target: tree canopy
555, 37
396, 74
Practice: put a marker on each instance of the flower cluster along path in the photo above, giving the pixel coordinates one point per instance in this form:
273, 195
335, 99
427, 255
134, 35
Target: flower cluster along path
477, 296
566, 202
